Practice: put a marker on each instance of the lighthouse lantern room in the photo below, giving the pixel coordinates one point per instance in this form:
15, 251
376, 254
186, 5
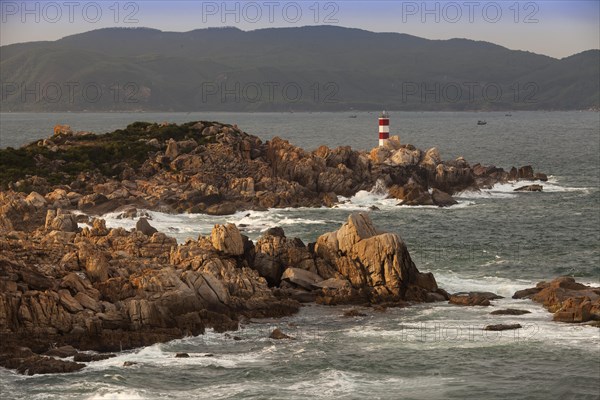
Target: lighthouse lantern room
384, 128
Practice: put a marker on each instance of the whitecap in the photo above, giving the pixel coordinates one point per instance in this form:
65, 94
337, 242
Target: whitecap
118, 395
507, 190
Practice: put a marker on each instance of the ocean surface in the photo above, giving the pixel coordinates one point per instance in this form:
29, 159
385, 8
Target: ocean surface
494, 240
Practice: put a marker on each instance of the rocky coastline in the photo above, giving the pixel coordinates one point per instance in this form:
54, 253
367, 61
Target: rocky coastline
70, 285
215, 168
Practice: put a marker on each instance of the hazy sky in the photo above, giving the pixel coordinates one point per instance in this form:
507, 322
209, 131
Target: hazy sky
555, 28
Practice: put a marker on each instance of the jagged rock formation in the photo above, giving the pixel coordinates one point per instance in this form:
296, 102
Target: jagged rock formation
214, 168
104, 289
568, 300
376, 264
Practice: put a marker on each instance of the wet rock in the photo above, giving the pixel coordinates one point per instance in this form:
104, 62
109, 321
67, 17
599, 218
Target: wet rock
525, 293
62, 352
182, 355
46, 365
354, 313
510, 311
278, 335
529, 188
487, 295
442, 199
85, 357
469, 299
569, 301
502, 327
129, 363
222, 209
142, 225
525, 172
276, 231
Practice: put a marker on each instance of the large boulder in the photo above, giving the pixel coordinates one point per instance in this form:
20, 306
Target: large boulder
275, 252
227, 239
144, 226
59, 221
442, 199
376, 262
301, 277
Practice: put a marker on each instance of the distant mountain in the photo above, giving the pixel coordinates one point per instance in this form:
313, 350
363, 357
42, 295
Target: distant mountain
281, 69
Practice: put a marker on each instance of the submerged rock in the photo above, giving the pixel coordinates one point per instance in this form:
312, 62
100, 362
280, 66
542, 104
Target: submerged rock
469, 299
502, 327
510, 311
529, 188
354, 313
278, 335
84, 357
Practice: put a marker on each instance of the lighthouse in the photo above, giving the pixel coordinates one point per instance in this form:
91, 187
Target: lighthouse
384, 129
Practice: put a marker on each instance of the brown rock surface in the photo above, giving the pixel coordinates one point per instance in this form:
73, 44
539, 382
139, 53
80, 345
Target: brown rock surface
215, 168
469, 299
568, 300
109, 289
377, 264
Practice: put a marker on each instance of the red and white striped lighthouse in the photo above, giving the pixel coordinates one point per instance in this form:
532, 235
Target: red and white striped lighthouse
384, 129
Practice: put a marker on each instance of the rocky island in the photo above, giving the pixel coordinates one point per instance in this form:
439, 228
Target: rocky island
69, 284
215, 168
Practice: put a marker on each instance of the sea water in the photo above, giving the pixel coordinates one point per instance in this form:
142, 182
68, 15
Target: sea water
494, 240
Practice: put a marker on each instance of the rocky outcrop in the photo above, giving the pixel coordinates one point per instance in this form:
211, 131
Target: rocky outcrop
144, 226
568, 300
109, 289
214, 168
376, 264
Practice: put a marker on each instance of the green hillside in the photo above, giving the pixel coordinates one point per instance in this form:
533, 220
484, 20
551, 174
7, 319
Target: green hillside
309, 68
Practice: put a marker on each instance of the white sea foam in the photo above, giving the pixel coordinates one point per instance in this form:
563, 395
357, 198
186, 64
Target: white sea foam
118, 395
453, 282
186, 226
507, 190
379, 197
